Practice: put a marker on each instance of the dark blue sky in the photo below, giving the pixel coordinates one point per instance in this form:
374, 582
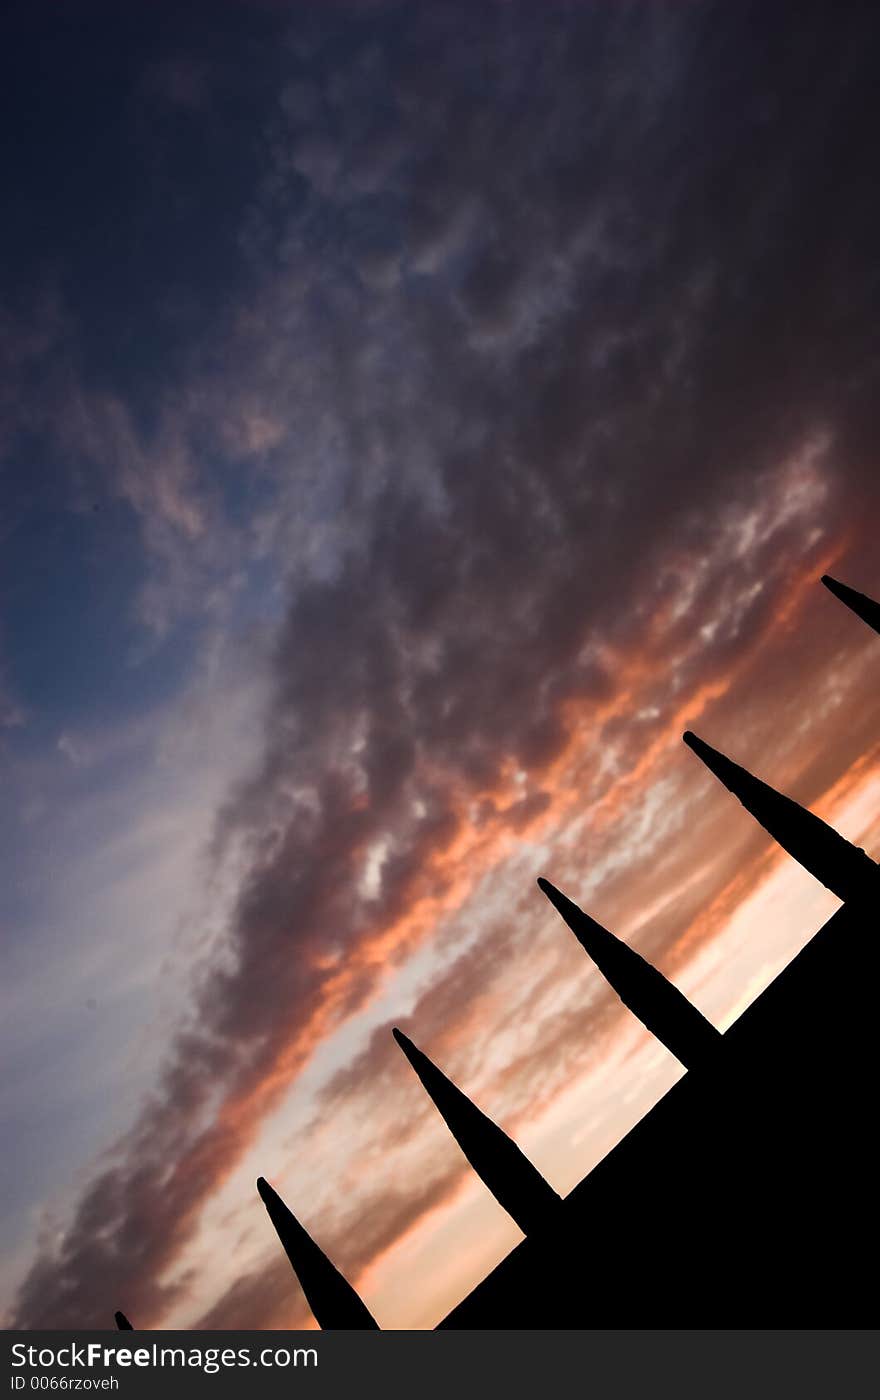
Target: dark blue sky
402, 404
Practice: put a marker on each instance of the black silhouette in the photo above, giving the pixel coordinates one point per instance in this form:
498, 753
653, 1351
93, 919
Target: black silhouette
865, 608
659, 1005
331, 1297
515, 1183
747, 1196
845, 869
122, 1322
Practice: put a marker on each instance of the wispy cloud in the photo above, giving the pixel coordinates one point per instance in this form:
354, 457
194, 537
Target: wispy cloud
523, 432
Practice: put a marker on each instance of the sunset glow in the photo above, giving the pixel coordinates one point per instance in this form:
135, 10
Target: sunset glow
400, 455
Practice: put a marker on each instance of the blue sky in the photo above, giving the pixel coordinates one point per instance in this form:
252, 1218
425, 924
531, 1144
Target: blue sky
413, 417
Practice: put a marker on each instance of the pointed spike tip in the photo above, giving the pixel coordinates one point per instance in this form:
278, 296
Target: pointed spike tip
499, 1163
657, 1002
717, 762
122, 1322
409, 1049
555, 896
864, 607
843, 868
582, 925
329, 1294
834, 585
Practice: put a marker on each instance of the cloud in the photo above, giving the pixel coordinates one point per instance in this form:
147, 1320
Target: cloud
542, 397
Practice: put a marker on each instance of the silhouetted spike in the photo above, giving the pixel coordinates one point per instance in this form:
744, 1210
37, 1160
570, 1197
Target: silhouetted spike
863, 606
844, 868
330, 1296
515, 1183
122, 1322
658, 1003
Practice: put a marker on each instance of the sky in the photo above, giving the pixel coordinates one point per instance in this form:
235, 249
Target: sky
413, 416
